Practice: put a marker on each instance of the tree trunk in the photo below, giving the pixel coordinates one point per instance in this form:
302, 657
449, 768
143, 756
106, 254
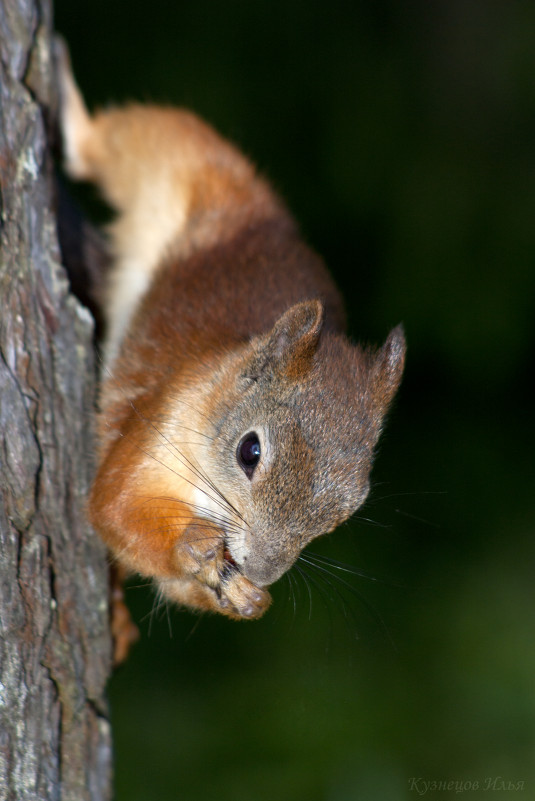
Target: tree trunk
55, 646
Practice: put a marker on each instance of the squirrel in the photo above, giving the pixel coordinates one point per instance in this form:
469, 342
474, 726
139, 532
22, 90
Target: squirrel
236, 421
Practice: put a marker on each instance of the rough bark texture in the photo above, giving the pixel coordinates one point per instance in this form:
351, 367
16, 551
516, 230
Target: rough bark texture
54, 635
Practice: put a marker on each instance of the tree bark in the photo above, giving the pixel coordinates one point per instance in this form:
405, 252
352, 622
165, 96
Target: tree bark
55, 648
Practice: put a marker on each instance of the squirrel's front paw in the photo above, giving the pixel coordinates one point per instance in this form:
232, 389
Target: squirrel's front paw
239, 598
210, 579
201, 553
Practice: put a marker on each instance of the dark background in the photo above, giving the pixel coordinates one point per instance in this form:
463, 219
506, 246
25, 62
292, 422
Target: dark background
403, 138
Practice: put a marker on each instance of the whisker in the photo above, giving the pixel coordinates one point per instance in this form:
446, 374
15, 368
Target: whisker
156, 606
142, 586
348, 613
304, 577
224, 521
417, 518
181, 458
291, 584
194, 628
367, 605
327, 603
184, 460
182, 478
347, 568
196, 478
175, 424
191, 406
168, 616
370, 521
413, 494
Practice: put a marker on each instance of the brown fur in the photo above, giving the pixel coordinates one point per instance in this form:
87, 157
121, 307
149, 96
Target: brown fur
222, 322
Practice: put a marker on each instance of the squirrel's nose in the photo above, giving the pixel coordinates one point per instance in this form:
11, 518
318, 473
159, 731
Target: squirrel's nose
263, 571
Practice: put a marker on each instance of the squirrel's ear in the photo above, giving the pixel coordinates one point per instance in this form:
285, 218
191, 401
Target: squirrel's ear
290, 345
388, 367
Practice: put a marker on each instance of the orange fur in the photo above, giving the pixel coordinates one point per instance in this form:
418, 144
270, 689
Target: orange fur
221, 322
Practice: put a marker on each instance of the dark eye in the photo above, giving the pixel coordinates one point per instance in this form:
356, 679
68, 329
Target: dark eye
248, 453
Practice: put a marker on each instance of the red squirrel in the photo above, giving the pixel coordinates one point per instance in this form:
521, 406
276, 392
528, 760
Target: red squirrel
236, 420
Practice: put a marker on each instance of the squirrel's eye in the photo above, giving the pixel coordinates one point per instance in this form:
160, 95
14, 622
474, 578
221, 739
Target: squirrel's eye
248, 453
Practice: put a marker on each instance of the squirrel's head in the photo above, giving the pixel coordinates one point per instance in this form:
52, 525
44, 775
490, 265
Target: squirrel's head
294, 418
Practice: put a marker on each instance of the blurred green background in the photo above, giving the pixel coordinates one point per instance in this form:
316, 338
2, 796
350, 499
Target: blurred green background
403, 138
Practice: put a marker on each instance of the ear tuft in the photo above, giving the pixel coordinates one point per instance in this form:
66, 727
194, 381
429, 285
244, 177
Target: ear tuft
388, 367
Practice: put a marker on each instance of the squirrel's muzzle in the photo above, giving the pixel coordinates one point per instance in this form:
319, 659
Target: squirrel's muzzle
264, 570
